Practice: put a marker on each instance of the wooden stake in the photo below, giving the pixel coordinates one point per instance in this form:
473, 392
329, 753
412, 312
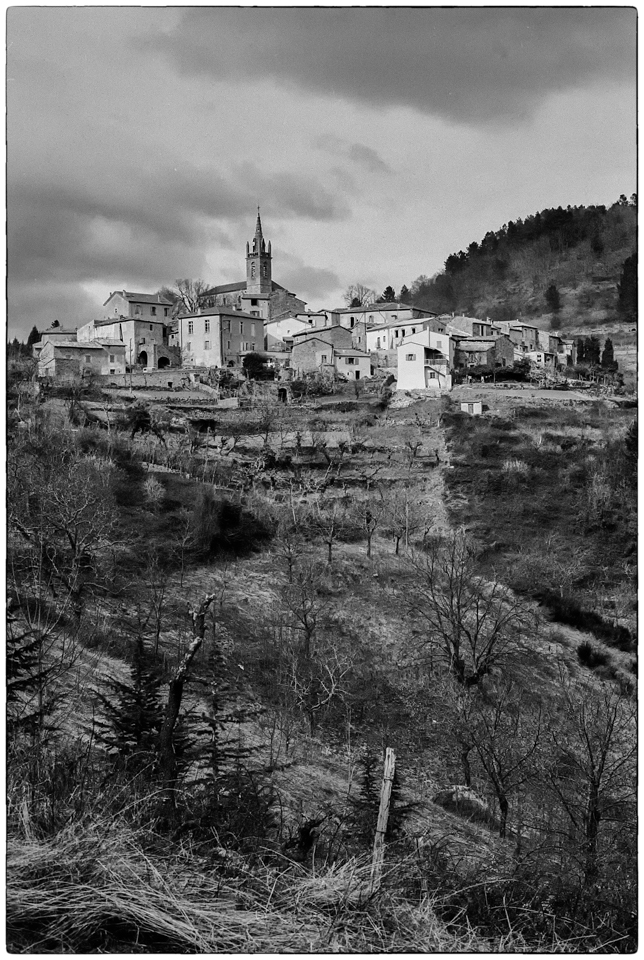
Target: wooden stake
383, 817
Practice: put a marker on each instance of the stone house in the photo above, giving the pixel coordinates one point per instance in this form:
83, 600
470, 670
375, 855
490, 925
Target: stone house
217, 337
484, 351
53, 335
352, 364
72, 358
471, 326
145, 339
122, 303
316, 350
425, 361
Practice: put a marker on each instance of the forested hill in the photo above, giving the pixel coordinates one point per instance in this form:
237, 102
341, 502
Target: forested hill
571, 268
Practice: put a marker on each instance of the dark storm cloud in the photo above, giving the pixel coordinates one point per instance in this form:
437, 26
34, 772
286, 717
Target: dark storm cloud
141, 229
465, 64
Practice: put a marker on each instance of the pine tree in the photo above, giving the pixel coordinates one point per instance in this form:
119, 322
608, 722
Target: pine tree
133, 715
405, 294
388, 295
628, 287
363, 808
553, 300
34, 337
608, 356
593, 351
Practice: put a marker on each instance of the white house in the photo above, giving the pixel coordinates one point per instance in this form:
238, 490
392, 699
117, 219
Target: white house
389, 336
425, 361
278, 334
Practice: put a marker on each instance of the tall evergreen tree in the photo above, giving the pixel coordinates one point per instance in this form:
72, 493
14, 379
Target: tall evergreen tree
387, 296
581, 350
608, 356
553, 300
593, 351
405, 294
133, 715
628, 287
33, 337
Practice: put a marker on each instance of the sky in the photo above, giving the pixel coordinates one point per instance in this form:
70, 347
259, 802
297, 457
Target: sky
376, 141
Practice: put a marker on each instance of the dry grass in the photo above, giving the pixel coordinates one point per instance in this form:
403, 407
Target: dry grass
98, 889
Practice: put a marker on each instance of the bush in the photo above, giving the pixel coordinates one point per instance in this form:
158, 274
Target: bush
589, 656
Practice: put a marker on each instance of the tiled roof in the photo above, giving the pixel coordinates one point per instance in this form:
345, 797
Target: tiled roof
218, 311
109, 321
310, 330
352, 353
79, 344
139, 297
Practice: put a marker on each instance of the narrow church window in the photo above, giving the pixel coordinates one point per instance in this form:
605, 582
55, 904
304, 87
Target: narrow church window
264, 270
252, 269
207, 326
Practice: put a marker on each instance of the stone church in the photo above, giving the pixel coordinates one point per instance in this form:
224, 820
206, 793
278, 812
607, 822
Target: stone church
259, 295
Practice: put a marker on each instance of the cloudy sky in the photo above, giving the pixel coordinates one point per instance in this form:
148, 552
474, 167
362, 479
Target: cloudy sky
376, 141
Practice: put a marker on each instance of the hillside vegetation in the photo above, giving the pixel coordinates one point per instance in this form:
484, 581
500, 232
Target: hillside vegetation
567, 270
212, 638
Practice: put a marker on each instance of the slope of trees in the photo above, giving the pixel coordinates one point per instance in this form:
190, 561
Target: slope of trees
555, 261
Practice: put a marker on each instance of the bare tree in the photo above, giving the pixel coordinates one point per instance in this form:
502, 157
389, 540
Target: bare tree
190, 295
471, 623
592, 748
505, 735
357, 294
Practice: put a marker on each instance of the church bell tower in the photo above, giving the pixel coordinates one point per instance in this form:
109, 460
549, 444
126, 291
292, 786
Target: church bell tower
258, 264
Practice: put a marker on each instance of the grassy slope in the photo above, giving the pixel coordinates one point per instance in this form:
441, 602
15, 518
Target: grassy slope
285, 907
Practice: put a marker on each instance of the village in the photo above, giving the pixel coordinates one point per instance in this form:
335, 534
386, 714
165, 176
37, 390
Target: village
142, 342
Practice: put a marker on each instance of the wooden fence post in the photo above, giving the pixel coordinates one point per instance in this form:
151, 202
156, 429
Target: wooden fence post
383, 816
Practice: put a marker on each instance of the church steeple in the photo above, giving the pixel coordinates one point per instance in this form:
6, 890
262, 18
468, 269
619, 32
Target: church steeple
258, 263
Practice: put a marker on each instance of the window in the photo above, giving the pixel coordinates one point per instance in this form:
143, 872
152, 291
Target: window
396, 333
188, 346
264, 271
253, 302
352, 321
165, 311
413, 329
227, 344
142, 339
351, 361
191, 326
439, 344
370, 318
112, 370
112, 358
470, 408
207, 326
254, 313
324, 358
206, 344
394, 316
137, 311
410, 356
153, 311
252, 270
88, 359
252, 346
252, 329
432, 375
241, 327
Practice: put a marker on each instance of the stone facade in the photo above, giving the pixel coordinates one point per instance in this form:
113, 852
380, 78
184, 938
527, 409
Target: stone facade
218, 338
122, 303
65, 360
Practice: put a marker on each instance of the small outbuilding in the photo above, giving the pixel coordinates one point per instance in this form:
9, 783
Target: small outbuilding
473, 407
